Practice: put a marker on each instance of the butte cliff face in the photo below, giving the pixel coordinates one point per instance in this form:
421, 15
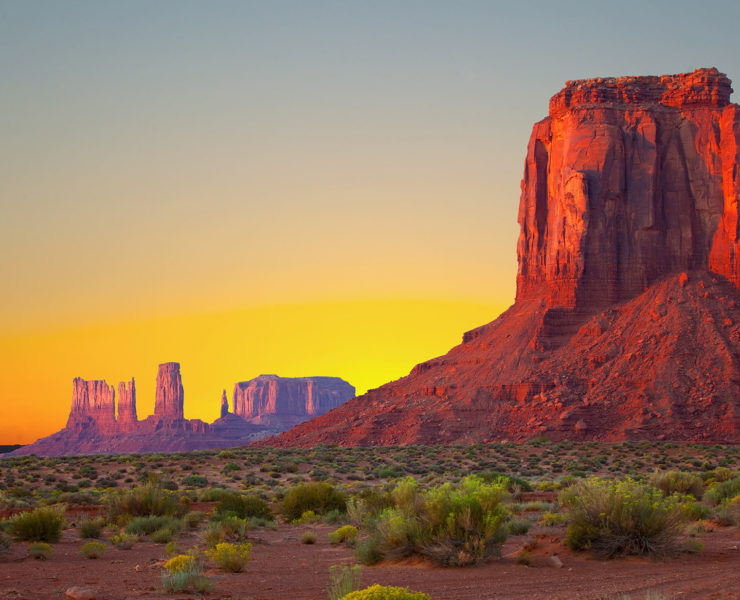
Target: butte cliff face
92, 427
93, 406
626, 181
626, 323
286, 401
169, 401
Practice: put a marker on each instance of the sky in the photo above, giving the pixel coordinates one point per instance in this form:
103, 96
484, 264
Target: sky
290, 187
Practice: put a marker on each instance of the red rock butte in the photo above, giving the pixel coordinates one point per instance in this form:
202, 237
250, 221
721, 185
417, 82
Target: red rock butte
626, 323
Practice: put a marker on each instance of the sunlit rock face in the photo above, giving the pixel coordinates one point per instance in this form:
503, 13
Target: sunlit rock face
273, 400
626, 323
627, 180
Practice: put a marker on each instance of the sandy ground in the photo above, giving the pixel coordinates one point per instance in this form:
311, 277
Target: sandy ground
283, 568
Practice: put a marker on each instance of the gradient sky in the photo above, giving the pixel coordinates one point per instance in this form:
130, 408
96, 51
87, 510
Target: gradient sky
300, 188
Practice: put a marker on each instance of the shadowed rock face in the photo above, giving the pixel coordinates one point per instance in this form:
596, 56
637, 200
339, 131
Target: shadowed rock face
626, 323
285, 401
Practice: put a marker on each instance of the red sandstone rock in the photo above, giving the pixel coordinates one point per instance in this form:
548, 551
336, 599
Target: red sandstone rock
629, 179
93, 406
627, 183
170, 395
286, 401
127, 419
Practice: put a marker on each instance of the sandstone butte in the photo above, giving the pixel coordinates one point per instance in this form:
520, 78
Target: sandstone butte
626, 323
274, 404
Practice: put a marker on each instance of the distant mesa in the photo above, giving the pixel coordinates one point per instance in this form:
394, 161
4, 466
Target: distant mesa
286, 401
626, 323
93, 428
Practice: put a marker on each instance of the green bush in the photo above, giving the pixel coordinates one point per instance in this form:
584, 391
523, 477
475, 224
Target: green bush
145, 501
230, 557
616, 518
678, 482
453, 526
518, 526
43, 524
162, 536
723, 491
385, 592
148, 525
342, 581
244, 507
348, 534
193, 518
40, 550
368, 551
228, 529
90, 528
93, 549
195, 481
319, 497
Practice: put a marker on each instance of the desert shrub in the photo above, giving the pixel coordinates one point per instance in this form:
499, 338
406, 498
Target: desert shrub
692, 546
693, 510
332, 517
144, 501
453, 526
723, 491
348, 534
342, 581
5, 541
40, 550
385, 592
320, 497
193, 518
123, 540
90, 528
148, 525
244, 507
518, 526
43, 524
368, 551
182, 562
93, 549
525, 557
306, 518
621, 517
181, 572
195, 481
508, 481
162, 536
728, 512
553, 519
308, 537
678, 482
228, 529
230, 557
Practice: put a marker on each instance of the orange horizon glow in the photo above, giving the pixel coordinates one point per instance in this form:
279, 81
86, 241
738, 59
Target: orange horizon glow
365, 342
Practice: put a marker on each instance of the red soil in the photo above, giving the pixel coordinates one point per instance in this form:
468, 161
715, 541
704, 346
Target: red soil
282, 568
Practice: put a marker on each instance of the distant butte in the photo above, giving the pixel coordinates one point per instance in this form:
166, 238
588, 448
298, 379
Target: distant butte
626, 323
274, 404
